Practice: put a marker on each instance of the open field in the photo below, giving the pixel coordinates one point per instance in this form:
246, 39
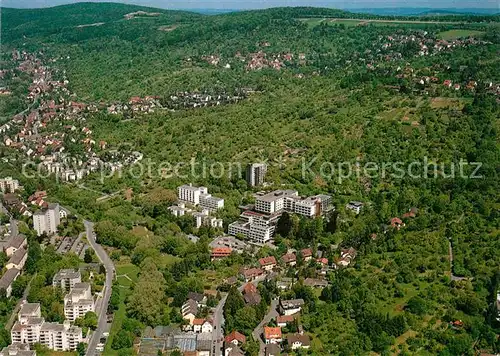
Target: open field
454, 34
355, 22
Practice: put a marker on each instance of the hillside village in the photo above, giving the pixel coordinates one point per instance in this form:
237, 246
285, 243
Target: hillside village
271, 262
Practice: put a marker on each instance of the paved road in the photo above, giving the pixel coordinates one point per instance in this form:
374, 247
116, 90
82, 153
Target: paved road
218, 321
103, 305
13, 223
257, 332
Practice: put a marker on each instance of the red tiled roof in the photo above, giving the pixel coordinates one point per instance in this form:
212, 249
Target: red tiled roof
249, 288
272, 332
266, 261
285, 318
306, 252
289, 257
235, 336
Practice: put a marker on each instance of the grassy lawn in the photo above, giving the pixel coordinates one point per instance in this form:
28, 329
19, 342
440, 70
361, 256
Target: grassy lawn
127, 269
120, 315
454, 34
454, 103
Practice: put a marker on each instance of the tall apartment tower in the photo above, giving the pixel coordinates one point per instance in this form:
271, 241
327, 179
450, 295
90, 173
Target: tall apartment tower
256, 173
47, 220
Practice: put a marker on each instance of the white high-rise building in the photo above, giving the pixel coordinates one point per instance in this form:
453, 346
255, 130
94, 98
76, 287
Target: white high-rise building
47, 220
191, 194
78, 302
256, 173
199, 196
276, 201
9, 185
31, 328
26, 330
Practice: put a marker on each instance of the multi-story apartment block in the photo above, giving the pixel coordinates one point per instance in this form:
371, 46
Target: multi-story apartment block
31, 328
256, 173
67, 279
258, 226
274, 202
9, 185
60, 337
289, 200
47, 220
26, 330
78, 302
191, 194
212, 203
199, 196
253, 226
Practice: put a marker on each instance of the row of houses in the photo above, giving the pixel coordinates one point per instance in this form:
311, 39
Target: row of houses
16, 249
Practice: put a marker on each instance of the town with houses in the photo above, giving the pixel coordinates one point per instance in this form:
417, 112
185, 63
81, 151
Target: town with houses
54, 131
280, 329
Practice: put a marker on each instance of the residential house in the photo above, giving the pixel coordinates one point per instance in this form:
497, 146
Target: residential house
15, 243
316, 283
298, 341
397, 223
284, 320
235, 338
272, 335
200, 299
202, 326
249, 274
220, 252
291, 306
289, 259
355, 206
18, 259
7, 279
268, 263
189, 310
251, 294
285, 283
273, 350
307, 254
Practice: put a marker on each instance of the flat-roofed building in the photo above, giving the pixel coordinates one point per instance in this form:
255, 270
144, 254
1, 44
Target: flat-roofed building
78, 302
66, 279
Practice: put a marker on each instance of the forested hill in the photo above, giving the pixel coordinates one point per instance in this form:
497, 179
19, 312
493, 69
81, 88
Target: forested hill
30, 23
19, 23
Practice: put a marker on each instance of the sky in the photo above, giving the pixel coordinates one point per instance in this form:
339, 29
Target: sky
259, 4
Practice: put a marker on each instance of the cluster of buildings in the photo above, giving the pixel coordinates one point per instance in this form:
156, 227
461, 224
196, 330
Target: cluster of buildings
189, 310
46, 130
79, 300
257, 223
189, 195
16, 249
31, 328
